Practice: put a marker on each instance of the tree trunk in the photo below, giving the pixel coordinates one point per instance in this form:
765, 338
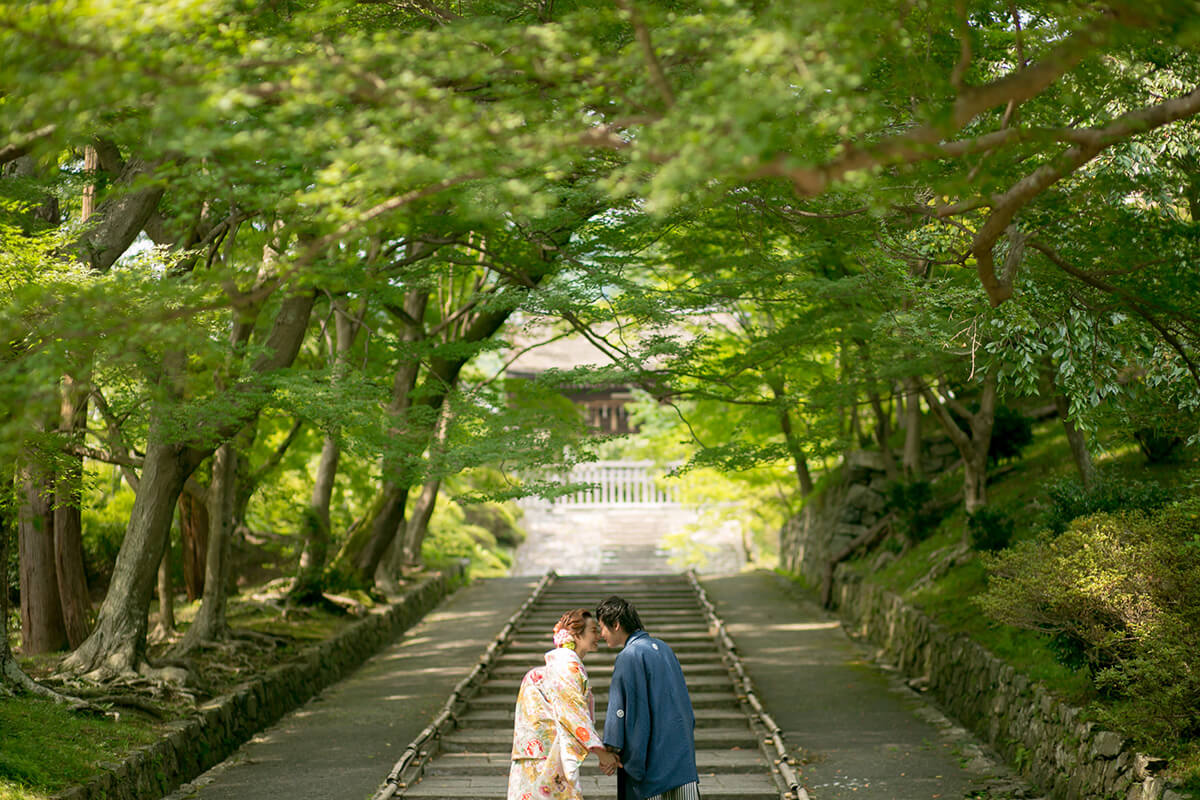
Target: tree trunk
973, 443
883, 435
193, 540
794, 446
166, 596
369, 548
975, 481
42, 629
117, 645
68, 520
384, 528
209, 624
1078, 442
6, 656
418, 524
317, 522
912, 430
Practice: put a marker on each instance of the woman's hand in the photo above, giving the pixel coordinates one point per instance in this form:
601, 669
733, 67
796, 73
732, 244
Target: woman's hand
608, 761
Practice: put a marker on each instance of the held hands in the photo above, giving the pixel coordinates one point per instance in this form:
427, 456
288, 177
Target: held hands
608, 761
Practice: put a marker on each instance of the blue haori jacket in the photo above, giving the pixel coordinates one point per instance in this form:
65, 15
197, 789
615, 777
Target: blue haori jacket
650, 720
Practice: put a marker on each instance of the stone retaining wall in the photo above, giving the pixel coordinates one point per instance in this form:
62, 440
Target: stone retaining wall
191, 746
1045, 738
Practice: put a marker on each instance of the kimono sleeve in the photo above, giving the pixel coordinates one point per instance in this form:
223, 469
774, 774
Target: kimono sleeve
571, 706
627, 720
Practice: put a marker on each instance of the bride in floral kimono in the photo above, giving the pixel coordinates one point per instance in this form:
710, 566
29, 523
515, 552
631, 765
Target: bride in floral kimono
555, 718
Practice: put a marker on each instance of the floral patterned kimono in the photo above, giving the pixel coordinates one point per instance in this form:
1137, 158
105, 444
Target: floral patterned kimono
555, 726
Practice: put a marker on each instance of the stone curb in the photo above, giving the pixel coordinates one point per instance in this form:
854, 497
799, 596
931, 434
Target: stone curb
1042, 736
191, 746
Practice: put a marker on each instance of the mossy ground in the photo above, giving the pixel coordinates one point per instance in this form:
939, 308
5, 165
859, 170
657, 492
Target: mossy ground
44, 748
1021, 491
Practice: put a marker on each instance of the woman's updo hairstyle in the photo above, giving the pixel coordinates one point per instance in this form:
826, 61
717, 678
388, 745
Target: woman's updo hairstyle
571, 624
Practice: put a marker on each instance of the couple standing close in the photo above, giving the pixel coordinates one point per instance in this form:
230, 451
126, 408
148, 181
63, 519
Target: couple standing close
648, 729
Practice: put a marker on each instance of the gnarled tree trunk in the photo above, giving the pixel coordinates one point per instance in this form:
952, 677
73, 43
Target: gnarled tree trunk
118, 643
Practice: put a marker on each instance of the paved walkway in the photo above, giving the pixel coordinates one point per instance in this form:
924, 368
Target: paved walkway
861, 731
342, 743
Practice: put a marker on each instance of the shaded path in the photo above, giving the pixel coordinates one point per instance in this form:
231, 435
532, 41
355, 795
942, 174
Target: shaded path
341, 744
863, 733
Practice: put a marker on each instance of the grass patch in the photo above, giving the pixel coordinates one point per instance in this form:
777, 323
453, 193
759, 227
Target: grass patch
1021, 492
44, 748
47, 748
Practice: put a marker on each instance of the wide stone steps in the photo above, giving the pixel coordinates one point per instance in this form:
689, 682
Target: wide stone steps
707, 761
705, 718
698, 683
494, 740
472, 760
699, 700
718, 786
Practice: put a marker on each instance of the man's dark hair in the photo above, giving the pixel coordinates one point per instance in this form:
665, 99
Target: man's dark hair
619, 610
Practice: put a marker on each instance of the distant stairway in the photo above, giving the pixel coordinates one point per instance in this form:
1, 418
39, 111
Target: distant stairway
465, 754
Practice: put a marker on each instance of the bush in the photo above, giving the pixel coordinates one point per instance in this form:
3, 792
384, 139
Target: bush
501, 519
1111, 493
1123, 592
990, 529
104, 526
911, 504
1012, 432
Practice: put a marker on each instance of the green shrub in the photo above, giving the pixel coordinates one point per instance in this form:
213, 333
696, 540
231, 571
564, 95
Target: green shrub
501, 519
1012, 432
911, 503
104, 526
1123, 591
1111, 493
990, 529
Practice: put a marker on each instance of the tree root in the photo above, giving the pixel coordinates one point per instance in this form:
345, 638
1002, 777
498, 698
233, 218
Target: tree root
13, 677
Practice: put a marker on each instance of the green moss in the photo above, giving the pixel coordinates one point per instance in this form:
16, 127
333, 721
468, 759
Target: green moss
35, 728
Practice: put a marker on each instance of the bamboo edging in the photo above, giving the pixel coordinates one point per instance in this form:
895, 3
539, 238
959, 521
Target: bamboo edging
411, 765
782, 762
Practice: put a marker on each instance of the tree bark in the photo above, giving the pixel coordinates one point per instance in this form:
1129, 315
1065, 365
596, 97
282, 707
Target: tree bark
973, 443
883, 435
1078, 442
193, 529
210, 624
418, 522
795, 448
912, 430
42, 629
68, 520
166, 596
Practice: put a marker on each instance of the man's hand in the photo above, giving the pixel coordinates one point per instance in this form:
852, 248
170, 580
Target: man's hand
608, 762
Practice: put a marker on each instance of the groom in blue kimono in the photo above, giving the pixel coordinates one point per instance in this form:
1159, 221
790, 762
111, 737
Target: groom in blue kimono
652, 730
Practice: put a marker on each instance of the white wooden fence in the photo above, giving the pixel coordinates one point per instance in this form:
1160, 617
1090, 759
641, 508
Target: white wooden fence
614, 483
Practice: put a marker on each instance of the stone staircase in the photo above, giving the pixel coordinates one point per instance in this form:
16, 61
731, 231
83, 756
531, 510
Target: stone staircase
473, 759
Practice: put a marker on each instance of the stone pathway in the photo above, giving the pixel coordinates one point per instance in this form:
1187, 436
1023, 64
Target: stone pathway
342, 743
859, 730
